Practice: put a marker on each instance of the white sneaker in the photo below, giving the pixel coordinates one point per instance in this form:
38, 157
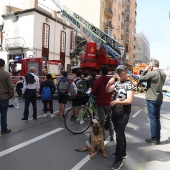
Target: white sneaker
82, 121
88, 144
52, 115
45, 114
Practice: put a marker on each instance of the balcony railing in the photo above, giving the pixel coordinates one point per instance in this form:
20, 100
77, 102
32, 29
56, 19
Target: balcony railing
109, 2
108, 12
107, 25
127, 10
15, 42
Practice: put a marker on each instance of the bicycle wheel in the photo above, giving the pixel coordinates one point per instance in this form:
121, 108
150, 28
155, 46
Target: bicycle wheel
78, 124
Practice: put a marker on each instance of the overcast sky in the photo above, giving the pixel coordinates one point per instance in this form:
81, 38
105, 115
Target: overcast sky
153, 20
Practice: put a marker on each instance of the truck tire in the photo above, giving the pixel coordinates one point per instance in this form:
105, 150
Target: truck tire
19, 89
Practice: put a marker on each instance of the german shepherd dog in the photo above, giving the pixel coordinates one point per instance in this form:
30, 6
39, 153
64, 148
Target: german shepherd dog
97, 140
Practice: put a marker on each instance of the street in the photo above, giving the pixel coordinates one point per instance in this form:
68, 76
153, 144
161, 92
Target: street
45, 144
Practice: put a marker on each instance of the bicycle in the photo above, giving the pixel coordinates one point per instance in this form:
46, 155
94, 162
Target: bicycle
82, 122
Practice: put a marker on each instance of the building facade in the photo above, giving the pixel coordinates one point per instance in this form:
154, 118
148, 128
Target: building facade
33, 30
142, 51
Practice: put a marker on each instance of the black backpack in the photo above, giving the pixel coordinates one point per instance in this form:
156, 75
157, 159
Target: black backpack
81, 86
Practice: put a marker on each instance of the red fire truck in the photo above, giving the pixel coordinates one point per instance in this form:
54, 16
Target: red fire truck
18, 68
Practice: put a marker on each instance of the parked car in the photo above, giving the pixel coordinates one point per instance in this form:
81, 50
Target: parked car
166, 87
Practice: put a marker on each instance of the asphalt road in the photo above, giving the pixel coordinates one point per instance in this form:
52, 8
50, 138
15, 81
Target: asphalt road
45, 144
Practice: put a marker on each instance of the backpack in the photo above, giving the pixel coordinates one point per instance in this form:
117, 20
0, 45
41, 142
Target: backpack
81, 86
46, 94
29, 78
63, 87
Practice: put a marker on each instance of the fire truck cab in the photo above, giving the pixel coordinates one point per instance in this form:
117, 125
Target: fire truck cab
18, 68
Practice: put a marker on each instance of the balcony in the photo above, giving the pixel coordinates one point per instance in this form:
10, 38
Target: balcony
122, 36
108, 12
127, 2
108, 31
109, 2
14, 43
126, 31
127, 21
108, 25
126, 41
127, 11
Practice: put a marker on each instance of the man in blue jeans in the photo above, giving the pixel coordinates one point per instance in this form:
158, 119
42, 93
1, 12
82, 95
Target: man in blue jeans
6, 92
154, 97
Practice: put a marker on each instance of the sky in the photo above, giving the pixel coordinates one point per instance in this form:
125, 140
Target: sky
153, 19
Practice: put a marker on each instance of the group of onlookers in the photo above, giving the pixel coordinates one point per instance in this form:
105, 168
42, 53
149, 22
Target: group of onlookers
107, 92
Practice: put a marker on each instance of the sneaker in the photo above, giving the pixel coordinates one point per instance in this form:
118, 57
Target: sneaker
62, 116
4, 132
111, 138
82, 121
123, 156
117, 165
73, 118
45, 114
150, 140
88, 144
158, 142
24, 118
52, 115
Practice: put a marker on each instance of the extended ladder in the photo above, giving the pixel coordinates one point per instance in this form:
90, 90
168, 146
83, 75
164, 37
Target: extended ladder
89, 31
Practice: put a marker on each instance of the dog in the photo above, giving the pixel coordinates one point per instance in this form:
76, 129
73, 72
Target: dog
97, 140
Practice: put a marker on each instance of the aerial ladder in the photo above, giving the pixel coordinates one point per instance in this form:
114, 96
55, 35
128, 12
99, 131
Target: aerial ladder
92, 33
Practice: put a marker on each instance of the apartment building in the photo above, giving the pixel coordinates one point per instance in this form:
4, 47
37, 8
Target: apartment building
142, 50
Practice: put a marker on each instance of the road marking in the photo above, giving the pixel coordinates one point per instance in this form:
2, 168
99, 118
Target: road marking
53, 112
137, 113
86, 159
21, 145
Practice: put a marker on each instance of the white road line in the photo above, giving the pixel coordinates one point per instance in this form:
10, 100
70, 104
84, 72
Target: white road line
86, 159
21, 145
137, 113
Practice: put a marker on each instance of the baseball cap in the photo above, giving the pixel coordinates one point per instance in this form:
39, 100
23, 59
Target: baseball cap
121, 67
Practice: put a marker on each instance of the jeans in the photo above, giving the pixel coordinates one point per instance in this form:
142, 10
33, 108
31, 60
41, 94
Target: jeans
3, 111
30, 96
120, 125
101, 115
50, 105
154, 108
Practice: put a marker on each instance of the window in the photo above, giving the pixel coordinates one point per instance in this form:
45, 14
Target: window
119, 5
119, 17
114, 11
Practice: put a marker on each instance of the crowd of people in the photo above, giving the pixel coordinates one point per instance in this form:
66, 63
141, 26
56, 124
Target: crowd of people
107, 92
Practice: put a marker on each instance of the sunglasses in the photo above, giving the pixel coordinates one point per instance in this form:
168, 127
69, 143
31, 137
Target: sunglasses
120, 72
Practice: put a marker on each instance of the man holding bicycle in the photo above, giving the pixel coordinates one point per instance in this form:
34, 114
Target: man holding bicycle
124, 93
102, 98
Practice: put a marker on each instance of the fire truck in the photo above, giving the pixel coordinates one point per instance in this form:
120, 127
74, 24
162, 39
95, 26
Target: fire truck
18, 68
100, 49
92, 58
137, 69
